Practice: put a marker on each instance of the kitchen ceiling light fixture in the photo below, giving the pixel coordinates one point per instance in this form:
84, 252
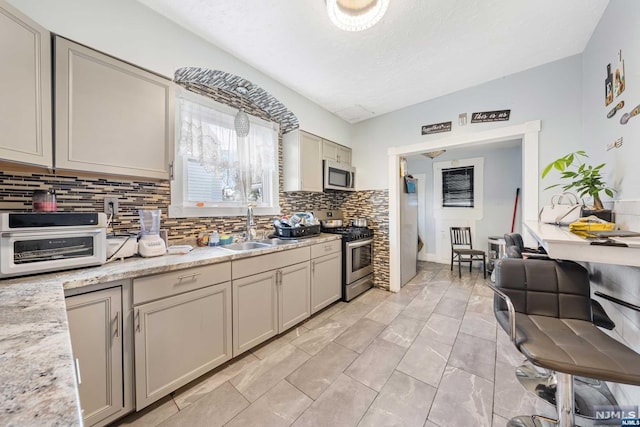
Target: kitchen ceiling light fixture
434, 154
241, 121
356, 15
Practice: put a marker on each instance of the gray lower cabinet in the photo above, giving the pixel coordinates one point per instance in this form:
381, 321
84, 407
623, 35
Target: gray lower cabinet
326, 274
294, 300
179, 338
25, 89
96, 328
255, 310
270, 294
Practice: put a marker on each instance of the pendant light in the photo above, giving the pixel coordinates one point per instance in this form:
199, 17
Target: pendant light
241, 121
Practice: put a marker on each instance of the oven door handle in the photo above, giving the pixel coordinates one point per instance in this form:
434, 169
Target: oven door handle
359, 243
34, 235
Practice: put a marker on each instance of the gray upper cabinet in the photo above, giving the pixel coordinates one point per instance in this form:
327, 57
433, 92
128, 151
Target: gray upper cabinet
336, 152
25, 89
111, 117
302, 161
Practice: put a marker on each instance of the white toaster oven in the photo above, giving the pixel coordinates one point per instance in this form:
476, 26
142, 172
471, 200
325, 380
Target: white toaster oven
39, 242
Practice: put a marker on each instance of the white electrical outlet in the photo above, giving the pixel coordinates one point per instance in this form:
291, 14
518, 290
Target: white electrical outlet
111, 205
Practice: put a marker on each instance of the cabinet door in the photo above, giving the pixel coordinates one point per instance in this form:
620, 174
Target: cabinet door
95, 326
344, 155
329, 150
255, 315
294, 298
25, 89
111, 117
177, 339
310, 162
326, 281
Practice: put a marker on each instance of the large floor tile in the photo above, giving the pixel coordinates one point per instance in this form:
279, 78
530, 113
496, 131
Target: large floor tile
385, 312
215, 409
359, 335
318, 318
372, 297
403, 401
480, 304
342, 404
199, 388
402, 331
420, 308
463, 399
374, 367
405, 295
479, 325
474, 355
277, 343
425, 360
258, 378
354, 311
441, 328
152, 415
317, 373
451, 307
316, 339
279, 407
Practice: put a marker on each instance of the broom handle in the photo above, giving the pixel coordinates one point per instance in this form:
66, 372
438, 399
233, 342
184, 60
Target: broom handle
515, 208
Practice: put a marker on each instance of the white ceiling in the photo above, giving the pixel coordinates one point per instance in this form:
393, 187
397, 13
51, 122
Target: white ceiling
420, 50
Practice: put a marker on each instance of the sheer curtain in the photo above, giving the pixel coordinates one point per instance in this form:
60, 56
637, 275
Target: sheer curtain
242, 164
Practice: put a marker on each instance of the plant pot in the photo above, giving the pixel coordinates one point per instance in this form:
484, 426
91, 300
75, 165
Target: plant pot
604, 214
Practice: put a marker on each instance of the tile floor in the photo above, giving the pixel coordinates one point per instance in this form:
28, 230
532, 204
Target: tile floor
430, 355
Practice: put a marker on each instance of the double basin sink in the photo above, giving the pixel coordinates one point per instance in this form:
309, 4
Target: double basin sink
256, 244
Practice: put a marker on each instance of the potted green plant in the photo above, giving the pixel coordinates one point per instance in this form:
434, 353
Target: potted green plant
583, 178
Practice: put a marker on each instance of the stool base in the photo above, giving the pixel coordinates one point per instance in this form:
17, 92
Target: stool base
587, 392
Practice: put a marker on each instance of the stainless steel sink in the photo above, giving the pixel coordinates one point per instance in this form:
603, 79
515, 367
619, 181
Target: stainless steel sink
245, 246
276, 241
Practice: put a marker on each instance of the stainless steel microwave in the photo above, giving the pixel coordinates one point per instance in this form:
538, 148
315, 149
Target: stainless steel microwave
338, 176
39, 242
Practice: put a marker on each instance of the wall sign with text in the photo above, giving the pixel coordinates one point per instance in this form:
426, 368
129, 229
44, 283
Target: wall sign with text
491, 116
436, 128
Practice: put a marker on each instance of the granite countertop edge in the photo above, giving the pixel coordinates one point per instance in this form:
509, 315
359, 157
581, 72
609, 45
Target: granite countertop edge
38, 376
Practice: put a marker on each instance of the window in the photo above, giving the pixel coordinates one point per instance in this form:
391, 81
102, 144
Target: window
218, 173
458, 190
457, 187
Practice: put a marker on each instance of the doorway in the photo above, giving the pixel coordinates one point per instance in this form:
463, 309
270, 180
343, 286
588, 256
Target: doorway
527, 132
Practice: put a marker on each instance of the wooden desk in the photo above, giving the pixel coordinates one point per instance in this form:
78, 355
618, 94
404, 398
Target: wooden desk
560, 243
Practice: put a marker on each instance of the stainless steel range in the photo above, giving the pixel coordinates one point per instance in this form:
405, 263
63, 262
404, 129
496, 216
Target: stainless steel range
357, 254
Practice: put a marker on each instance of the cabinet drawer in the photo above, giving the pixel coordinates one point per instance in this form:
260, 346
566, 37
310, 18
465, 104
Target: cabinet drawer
326, 248
176, 282
258, 264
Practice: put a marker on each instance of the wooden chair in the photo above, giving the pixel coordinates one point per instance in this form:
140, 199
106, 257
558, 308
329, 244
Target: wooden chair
462, 250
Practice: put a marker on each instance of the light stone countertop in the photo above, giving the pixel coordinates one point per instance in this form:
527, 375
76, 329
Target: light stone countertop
37, 378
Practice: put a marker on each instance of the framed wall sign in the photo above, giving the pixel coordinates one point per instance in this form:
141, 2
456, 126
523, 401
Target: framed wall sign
490, 116
436, 128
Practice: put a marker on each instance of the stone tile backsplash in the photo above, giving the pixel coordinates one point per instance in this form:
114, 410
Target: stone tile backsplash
86, 194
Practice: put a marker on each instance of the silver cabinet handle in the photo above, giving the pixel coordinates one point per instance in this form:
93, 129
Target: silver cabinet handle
279, 277
313, 267
188, 276
171, 171
117, 334
137, 320
78, 371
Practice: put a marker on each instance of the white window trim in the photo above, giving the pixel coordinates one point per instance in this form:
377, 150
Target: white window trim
177, 210
478, 183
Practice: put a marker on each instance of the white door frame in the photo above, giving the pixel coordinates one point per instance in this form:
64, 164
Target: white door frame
529, 132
